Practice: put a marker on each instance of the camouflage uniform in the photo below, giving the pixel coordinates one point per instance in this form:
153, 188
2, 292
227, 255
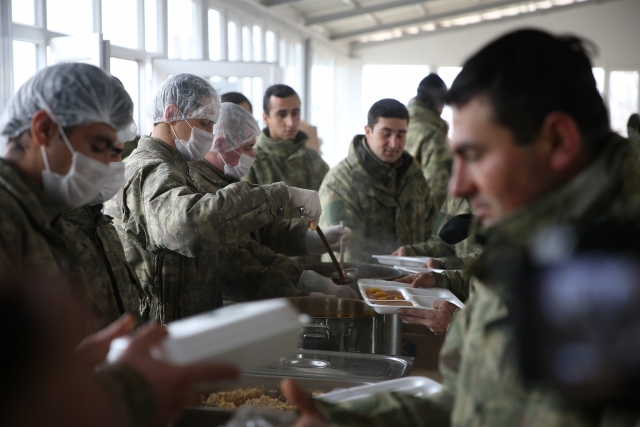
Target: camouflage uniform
427, 143
171, 233
250, 270
385, 205
111, 265
482, 385
454, 258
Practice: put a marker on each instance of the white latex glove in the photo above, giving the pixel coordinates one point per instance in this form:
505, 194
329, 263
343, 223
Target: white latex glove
307, 199
314, 245
311, 282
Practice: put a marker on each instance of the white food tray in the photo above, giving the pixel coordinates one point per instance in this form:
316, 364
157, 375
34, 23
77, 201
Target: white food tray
406, 261
415, 386
422, 298
414, 270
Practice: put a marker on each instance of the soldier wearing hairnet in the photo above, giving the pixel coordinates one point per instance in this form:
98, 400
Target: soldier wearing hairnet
171, 231
427, 135
253, 269
379, 189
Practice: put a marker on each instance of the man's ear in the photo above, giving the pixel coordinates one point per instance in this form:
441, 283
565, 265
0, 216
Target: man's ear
367, 132
171, 112
563, 138
43, 128
265, 119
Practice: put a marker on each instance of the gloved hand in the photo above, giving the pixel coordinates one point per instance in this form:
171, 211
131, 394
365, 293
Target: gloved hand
333, 233
307, 199
310, 282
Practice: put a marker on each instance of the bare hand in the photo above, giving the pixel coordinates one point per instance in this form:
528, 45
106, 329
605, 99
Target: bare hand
401, 251
173, 386
311, 416
94, 348
432, 263
420, 280
436, 320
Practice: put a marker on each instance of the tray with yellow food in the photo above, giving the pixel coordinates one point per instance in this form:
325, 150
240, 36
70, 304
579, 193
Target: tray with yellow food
388, 297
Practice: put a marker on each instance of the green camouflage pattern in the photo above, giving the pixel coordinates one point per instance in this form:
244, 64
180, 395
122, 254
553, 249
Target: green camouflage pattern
248, 270
172, 233
110, 265
386, 206
427, 143
34, 233
482, 384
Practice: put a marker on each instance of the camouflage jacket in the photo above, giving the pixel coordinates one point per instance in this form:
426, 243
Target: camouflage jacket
427, 143
111, 265
386, 206
482, 385
454, 258
249, 270
171, 233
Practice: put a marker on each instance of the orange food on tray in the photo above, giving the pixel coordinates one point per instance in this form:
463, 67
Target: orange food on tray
377, 294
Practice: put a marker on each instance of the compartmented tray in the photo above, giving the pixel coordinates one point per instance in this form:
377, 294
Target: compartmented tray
404, 296
405, 261
414, 270
415, 386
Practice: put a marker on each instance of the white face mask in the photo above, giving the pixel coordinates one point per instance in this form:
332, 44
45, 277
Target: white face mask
241, 169
80, 185
198, 145
112, 185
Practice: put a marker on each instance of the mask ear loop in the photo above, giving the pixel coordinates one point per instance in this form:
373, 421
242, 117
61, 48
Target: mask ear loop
45, 107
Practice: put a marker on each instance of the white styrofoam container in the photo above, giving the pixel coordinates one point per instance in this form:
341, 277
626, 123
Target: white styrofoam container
406, 261
415, 386
415, 270
248, 335
422, 298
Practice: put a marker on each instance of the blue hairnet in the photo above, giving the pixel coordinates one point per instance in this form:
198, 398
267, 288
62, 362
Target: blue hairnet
235, 128
73, 94
194, 96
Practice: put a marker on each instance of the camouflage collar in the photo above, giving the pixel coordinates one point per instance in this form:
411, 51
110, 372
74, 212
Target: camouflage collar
421, 112
281, 146
164, 151
359, 153
211, 172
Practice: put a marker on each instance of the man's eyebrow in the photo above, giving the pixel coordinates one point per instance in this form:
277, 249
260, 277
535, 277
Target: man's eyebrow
103, 138
465, 146
393, 130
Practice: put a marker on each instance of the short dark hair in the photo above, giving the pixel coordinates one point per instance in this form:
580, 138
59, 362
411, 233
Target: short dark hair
529, 73
280, 91
634, 122
387, 108
235, 98
432, 91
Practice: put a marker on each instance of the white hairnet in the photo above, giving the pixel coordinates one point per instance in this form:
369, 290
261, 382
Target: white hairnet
73, 94
194, 96
235, 128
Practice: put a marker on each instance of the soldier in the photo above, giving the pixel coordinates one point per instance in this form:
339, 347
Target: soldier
379, 189
427, 135
251, 270
281, 153
171, 232
532, 148
238, 99
60, 129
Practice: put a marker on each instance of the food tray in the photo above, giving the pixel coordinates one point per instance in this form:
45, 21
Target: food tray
415, 270
405, 261
415, 386
422, 298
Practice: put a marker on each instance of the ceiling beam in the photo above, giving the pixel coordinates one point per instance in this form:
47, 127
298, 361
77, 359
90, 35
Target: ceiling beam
276, 2
424, 19
360, 11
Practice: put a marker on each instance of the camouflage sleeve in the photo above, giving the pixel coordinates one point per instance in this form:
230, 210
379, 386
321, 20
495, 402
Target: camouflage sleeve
193, 224
250, 177
267, 257
245, 278
285, 236
434, 247
457, 281
338, 204
436, 165
130, 399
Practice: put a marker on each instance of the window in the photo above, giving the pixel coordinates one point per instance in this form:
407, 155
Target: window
127, 72
448, 75
623, 98
151, 25
71, 17
246, 44
182, 43
23, 11
257, 44
598, 74
232, 38
24, 62
271, 46
390, 81
214, 35
120, 22
283, 53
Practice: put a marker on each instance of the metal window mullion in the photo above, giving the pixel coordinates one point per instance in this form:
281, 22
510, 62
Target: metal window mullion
141, 25
97, 16
224, 39
41, 13
163, 27
6, 53
201, 28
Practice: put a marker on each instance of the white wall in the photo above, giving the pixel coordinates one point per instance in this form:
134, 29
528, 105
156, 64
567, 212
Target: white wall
613, 26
